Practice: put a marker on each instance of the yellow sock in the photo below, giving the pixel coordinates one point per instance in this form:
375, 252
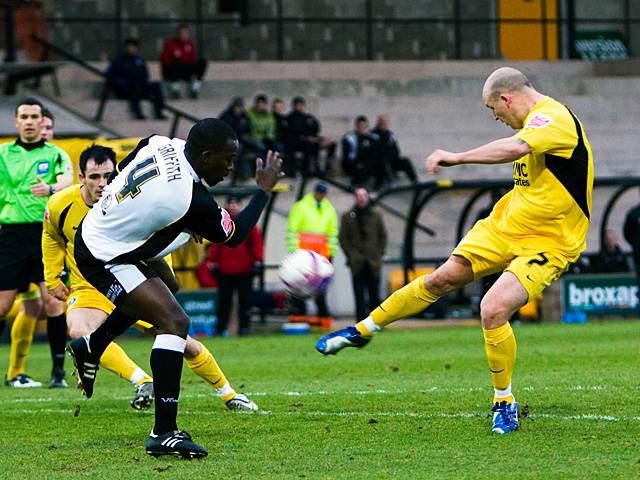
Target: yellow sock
500, 346
116, 360
206, 367
21, 337
409, 300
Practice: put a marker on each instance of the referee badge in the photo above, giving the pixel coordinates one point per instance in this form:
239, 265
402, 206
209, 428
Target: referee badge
43, 167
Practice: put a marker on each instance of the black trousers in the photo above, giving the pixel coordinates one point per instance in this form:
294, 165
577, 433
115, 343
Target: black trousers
228, 284
175, 70
366, 290
135, 92
403, 164
299, 307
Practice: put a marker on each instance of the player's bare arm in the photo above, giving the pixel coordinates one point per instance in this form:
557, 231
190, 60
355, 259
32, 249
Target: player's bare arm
504, 150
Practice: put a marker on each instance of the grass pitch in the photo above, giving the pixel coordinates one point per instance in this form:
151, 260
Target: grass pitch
412, 404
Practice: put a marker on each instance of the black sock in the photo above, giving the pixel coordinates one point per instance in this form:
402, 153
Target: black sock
166, 365
3, 323
57, 333
115, 325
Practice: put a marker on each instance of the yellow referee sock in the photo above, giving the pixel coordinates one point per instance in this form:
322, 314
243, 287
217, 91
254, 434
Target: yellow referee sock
500, 346
411, 299
206, 367
116, 360
21, 337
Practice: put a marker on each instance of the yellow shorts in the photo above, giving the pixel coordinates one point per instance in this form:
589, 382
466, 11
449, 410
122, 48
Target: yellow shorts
490, 252
92, 298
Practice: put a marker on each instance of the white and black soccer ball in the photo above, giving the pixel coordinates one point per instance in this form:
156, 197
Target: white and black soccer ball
305, 273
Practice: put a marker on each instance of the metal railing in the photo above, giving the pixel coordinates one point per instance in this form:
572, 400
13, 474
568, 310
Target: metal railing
51, 48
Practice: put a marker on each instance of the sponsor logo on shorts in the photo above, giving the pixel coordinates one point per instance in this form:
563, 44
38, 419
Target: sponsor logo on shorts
71, 301
43, 167
115, 290
47, 216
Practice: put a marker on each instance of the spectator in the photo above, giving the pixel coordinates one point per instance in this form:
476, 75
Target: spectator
263, 125
180, 61
277, 108
631, 231
610, 258
358, 152
236, 116
313, 225
303, 143
128, 77
235, 268
389, 152
363, 239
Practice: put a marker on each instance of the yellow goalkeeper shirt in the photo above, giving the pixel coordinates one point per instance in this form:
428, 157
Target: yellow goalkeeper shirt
550, 205
65, 210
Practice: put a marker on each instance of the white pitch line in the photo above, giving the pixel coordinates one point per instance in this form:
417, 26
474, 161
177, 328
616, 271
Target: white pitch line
315, 413
430, 390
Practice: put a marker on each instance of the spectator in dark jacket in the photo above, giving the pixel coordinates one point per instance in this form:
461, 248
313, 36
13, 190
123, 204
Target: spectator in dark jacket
235, 268
128, 78
389, 151
363, 239
236, 116
180, 61
359, 153
610, 258
277, 108
302, 142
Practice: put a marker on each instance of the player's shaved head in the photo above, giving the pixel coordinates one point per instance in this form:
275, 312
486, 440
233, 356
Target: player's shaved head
504, 80
209, 134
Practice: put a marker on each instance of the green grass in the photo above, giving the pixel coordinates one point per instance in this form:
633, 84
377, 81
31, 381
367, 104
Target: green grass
413, 404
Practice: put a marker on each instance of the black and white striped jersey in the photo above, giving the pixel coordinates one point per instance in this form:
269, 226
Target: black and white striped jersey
152, 206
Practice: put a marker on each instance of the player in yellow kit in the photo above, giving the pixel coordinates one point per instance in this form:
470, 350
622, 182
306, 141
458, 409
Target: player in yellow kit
86, 307
532, 235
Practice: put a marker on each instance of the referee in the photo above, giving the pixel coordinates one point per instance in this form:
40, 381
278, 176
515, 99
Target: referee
30, 171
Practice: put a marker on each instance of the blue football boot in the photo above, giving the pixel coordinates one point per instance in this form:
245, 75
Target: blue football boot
505, 417
335, 341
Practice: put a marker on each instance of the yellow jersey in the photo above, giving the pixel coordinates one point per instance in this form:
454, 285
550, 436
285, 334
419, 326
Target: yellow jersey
65, 210
549, 207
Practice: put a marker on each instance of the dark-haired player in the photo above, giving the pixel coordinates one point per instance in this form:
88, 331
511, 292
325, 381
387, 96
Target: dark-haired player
87, 308
30, 171
154, 204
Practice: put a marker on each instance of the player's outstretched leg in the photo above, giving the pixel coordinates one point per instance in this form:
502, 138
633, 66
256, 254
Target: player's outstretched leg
335, 341
85, 363
202, 363
409, 300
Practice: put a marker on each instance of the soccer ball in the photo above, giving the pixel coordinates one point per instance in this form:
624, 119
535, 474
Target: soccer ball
305, 273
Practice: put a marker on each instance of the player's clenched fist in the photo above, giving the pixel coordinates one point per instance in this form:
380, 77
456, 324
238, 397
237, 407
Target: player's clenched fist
440, 158
268, 174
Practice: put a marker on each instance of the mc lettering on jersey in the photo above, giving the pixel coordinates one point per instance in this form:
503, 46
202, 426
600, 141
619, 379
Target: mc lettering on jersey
520, 169
520, 174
